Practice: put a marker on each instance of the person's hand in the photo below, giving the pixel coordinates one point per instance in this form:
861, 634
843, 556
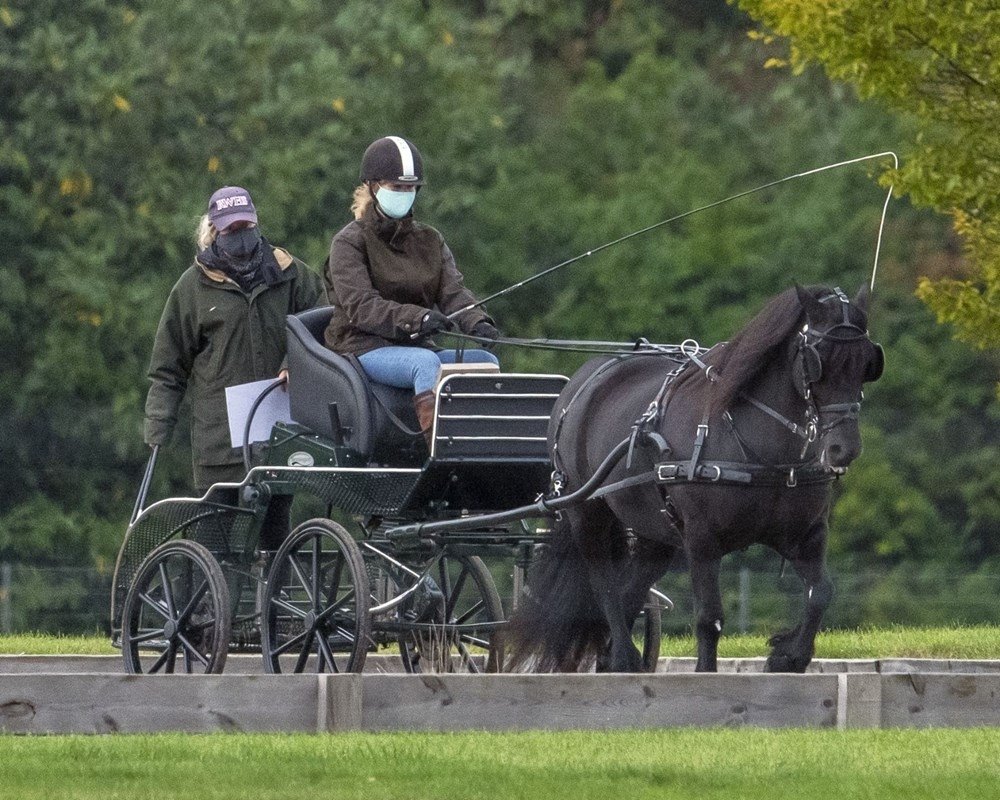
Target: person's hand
433, 322
485, 330
283, 374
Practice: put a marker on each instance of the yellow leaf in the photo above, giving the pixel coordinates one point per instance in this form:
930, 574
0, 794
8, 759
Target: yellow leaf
448, 38
213, 164
496, 121
121, 103
6, 17
79, 184
90, 317
339, 105
129, 16
775, 63
143, 209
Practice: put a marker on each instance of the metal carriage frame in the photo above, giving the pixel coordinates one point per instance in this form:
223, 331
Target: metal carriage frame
192, 581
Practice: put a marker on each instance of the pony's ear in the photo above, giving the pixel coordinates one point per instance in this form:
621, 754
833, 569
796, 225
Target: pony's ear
861, 298
812, 306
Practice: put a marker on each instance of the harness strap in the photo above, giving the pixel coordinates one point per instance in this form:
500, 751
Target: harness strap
733, 472
798, 430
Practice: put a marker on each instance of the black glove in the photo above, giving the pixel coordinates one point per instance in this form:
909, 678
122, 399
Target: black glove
433, 322
484, 330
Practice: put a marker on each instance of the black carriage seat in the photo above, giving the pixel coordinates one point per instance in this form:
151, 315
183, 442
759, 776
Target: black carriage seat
326, 389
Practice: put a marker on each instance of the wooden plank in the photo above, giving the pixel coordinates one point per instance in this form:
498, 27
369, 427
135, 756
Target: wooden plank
859, 700
560, 702
133, 704
922, 665
339, 703
938, 700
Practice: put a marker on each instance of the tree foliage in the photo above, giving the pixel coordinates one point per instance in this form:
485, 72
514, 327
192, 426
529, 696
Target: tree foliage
938, 63
547, 128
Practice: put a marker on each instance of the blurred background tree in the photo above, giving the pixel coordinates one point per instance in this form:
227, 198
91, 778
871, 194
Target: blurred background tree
547, 128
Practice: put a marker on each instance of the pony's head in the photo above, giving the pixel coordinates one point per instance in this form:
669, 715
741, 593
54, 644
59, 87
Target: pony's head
832, 358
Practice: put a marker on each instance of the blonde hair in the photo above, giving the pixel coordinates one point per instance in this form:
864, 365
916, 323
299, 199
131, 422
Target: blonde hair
360, 201
205, 234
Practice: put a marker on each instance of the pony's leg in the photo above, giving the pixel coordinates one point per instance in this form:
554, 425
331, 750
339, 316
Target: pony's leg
708, 610
606, 580
608, 567
792, 650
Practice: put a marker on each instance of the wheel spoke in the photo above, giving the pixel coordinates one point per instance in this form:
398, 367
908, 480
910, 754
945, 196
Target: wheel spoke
190, 648
156, 605
335, 578
349, 635
315, 573
451, 599
341, 606
324, 653
155, 667
188, 666
470, 613
171, 658
168, 592
145, 637
302, 578
476, 641
195, 599
289, 644
298, 612
300, 663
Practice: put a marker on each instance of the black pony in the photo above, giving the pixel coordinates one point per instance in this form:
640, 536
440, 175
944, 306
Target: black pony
743, 440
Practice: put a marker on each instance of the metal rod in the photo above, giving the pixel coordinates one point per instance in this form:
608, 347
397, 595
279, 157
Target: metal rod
649, 228
147, 479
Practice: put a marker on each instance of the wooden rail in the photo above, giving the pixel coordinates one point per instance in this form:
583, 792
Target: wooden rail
106, 703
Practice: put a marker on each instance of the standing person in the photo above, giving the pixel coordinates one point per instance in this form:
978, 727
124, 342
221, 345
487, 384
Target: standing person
393, 281
223, 324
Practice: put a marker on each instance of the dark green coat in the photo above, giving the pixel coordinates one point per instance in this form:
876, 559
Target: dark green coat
213, 335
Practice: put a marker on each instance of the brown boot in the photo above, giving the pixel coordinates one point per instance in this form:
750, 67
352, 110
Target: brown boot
424, 405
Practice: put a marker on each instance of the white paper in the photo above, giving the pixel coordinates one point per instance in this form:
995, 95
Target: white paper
273, 408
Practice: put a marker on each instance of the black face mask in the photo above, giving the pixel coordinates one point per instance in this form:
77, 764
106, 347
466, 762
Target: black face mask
241, 243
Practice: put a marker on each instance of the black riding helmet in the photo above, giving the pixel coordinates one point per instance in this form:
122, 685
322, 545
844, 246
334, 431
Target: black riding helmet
392, 158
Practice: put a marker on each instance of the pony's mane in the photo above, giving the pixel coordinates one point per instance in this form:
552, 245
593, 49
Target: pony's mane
753, 347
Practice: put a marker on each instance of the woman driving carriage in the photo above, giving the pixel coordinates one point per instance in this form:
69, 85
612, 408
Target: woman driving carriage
393, 281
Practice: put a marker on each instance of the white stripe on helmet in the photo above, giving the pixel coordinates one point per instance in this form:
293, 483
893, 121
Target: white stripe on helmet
405, 155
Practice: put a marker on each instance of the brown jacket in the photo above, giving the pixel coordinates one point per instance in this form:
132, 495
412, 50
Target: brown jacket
382, 276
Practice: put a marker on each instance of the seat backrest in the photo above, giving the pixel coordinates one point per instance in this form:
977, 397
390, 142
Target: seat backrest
318, 378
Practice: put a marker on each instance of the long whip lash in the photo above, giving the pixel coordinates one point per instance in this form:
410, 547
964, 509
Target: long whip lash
567, 262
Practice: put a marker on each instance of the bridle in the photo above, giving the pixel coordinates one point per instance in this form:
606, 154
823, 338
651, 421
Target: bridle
807, 369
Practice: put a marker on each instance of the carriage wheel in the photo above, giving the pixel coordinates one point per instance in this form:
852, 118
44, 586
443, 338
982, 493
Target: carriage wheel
315, 612
177, 609
649, 629
445, 614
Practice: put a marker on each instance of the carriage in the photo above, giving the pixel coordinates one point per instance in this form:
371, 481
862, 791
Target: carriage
395, 555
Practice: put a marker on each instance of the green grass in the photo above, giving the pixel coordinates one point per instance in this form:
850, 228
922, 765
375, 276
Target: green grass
48, 644
706, 764
898, 642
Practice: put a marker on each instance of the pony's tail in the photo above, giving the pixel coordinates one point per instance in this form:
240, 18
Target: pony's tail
557, 626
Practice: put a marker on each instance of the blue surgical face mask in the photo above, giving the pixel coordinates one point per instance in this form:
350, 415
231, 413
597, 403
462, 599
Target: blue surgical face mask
395, 204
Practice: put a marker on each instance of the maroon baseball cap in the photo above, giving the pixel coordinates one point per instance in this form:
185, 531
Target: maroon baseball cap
231, 204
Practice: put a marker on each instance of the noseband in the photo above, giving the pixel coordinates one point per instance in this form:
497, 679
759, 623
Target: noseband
808, 366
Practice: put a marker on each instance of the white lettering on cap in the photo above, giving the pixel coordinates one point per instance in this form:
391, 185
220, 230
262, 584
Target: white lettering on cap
229, 202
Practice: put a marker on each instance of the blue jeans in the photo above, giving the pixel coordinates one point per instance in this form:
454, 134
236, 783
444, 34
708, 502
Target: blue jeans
415, 367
